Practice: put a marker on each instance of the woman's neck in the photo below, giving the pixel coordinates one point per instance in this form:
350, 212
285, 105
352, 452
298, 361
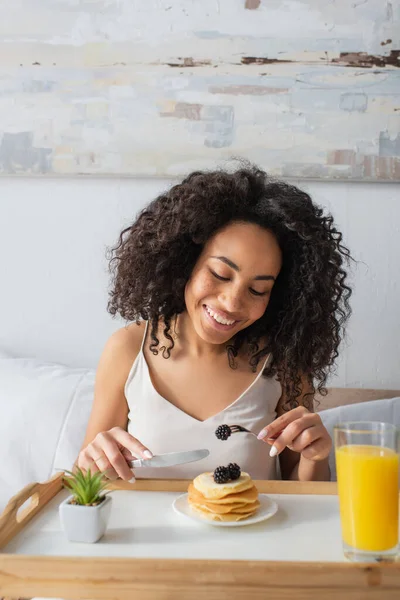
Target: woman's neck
188, 340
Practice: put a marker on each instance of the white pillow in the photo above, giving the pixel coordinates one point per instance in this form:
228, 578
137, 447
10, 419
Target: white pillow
74, 427
44, 410
387, 411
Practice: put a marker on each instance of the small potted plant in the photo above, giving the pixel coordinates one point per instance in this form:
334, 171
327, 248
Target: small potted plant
84, 515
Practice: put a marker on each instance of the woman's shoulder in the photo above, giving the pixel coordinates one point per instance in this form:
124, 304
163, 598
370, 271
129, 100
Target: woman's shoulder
124, 345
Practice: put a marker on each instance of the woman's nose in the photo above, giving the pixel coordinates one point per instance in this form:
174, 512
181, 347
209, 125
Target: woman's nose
231, 301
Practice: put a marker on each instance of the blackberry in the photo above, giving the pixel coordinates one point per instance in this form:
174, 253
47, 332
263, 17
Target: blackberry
221, 475
234, 471
223, 432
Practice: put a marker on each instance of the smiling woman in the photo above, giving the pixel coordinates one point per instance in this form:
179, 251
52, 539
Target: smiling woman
235, 291
232, 281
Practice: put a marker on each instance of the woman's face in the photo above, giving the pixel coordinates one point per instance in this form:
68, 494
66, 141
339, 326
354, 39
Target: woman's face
231, 283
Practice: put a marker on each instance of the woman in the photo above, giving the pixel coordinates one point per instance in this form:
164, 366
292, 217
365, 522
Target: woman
234, 287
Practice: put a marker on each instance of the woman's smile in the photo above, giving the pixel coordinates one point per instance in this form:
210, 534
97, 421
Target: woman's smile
218, 319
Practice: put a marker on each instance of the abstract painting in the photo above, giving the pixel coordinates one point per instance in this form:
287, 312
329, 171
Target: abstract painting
305, 89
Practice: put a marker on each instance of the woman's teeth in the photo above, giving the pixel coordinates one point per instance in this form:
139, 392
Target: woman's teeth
218, 318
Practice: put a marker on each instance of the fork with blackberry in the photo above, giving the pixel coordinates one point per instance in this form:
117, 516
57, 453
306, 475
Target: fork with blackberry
223, 432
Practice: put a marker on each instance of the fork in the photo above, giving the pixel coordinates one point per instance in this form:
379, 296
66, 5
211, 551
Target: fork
240, 428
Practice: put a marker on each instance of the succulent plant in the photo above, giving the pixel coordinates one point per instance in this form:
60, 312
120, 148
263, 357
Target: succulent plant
86, 487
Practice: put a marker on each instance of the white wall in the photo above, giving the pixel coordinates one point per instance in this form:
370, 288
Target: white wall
53, 271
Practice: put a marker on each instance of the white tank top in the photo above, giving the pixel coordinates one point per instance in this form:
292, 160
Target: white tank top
163, 427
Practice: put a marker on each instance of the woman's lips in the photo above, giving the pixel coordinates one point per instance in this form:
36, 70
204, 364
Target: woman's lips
215, 323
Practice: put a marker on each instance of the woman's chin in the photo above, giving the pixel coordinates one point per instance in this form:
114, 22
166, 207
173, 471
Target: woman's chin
214, 334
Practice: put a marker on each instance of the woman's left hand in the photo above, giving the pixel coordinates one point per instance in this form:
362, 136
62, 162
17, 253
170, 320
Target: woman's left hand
298, 430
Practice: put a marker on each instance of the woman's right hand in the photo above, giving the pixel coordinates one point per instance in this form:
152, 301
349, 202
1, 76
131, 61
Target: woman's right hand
109, 452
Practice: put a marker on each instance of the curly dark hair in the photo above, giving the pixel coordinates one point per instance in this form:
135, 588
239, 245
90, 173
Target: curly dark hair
303, 324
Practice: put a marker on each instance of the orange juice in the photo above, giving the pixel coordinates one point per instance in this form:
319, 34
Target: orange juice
368, 487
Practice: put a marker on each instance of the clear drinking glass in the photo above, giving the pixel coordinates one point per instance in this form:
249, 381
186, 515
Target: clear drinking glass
367, 465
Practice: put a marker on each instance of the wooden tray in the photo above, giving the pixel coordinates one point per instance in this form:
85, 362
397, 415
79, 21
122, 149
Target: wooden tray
197, 569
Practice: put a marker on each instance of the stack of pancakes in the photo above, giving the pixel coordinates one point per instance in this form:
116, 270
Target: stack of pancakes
231, 501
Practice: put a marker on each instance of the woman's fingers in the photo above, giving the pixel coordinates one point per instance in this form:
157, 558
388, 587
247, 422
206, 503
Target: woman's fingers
293, 431
318, 450
305, 439
113, 460
127, 454
88, 459
127, 441
299, 430
101, 462
307, 436
274, 429
110, 452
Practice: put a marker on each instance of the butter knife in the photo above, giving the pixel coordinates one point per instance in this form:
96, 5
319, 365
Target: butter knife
170, 459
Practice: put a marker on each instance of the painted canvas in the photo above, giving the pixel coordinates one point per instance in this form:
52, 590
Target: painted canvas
306, 89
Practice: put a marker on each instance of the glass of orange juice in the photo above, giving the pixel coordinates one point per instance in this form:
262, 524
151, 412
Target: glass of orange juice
367, 465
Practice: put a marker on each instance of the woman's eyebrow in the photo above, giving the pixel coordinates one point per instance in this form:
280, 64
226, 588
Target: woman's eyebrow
236, 268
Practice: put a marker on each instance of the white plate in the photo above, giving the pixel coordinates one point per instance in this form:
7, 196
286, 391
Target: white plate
267, 509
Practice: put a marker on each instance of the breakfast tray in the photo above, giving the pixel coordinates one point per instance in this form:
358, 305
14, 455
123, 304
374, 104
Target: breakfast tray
151, 552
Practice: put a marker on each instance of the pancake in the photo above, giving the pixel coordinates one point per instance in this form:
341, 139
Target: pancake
226, 517
244, 497
224, 509
234, 500
205, 484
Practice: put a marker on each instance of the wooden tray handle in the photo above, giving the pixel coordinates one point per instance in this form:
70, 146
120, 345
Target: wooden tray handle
12, 520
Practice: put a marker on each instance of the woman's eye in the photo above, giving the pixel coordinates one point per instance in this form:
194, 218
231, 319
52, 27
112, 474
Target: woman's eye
255, 293
219, 276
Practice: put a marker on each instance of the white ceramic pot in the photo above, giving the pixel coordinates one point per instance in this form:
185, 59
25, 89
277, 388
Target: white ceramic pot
84, 523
